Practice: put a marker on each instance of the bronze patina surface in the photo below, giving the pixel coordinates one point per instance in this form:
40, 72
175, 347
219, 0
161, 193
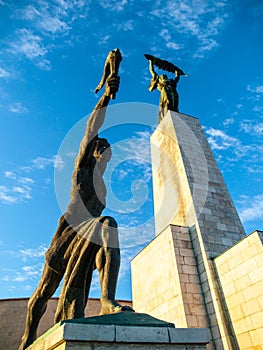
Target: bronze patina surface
84, 239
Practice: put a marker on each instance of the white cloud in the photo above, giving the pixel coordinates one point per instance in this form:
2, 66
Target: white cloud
14, 194
44, 18
26, 180
17, 108
18, 191
53, 25
103, 41
256, 92
173, 46
201, 20
27, 287
252, 127
31, 46
33, 252
218, 139
58, 162
5, 196
18, 188
43, 162
49, 21
28, 253
114, 5
126, 25
4, 73
251, 207
10, 175
164, 33
229, 121
136, 152
28, 44
257, 89
25, 274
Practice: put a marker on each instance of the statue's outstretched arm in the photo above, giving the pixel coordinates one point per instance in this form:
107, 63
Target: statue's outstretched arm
96, 119
151, 69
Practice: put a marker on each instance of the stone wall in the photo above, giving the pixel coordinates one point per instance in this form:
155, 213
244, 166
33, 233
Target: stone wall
13, 316
172, 291
240, 276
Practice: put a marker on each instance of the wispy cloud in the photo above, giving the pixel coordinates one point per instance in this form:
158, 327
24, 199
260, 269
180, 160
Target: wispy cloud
45, 23
114, 5
27, 253
49, 26
43, 162
252, 127
17, 108
167, 38
27, 274
31, 265
30, 253
126, 25
199, 20
251, 207
4, 73
31, 46
228, 121
43, 20
19, 190
219, 140
256, 89
16, 188
237, 148
136, 152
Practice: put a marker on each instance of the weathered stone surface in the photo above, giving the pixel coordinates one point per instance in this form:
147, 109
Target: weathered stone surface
122, 318
142, 334
76, 336
241, 283
196, 336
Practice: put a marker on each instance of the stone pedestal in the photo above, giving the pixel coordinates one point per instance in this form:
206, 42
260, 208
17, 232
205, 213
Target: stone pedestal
173, 277
120, 331
188, 187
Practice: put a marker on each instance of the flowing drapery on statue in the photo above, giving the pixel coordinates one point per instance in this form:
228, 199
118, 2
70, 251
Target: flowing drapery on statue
84, 240
169, 98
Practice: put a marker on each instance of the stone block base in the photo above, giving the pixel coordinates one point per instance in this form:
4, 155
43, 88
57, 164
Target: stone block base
126, 330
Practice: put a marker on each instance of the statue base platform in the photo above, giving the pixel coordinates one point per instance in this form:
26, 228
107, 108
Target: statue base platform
124, 330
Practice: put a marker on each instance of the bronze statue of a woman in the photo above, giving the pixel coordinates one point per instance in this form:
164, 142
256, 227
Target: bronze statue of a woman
169, 99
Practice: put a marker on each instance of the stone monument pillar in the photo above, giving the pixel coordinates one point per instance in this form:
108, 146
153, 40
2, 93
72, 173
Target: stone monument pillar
173, 277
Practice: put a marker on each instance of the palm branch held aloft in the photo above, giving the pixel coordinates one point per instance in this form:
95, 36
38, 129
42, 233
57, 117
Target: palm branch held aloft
169, 98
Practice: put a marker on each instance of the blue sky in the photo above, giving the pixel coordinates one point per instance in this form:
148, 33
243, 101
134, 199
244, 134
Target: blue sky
51, 60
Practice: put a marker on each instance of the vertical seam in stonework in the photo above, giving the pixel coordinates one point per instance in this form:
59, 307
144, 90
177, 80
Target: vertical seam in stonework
225, 310
169, 336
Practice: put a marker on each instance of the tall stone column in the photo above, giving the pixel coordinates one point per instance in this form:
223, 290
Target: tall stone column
189, 192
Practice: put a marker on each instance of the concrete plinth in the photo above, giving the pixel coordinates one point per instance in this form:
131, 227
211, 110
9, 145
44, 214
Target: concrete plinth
120, 331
